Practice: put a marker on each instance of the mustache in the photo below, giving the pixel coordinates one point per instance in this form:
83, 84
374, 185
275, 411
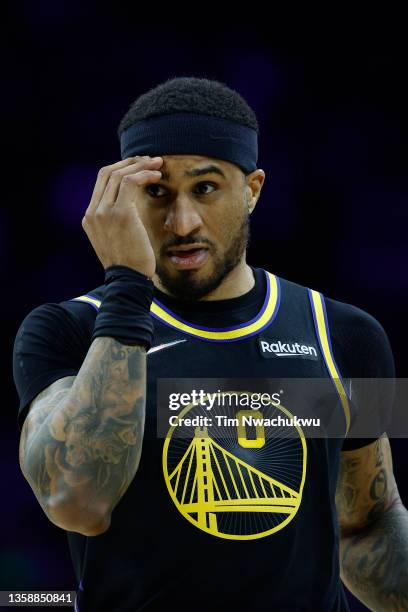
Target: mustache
184, 240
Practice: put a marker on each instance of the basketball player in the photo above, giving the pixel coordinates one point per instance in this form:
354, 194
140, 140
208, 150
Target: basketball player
202, 521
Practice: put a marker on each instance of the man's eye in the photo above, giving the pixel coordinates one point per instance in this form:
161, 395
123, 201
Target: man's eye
201, 188
155, 191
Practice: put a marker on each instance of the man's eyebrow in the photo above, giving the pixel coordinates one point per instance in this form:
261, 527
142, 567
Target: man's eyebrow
196, 172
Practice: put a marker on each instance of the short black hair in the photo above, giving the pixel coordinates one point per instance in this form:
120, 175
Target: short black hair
191, 95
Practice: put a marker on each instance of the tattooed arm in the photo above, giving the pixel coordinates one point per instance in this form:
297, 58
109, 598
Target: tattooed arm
81, 441
373, 528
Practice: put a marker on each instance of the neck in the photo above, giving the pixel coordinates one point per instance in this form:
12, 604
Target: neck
239, 281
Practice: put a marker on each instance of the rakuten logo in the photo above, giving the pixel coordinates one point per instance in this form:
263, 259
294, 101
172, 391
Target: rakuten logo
287, 349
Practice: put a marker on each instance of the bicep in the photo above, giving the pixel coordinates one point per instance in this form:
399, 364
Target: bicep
40, 409
366, 485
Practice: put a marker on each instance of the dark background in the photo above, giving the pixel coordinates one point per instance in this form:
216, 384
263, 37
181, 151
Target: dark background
332, 216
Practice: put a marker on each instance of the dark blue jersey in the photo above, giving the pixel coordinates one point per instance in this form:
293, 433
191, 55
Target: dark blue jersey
222, 513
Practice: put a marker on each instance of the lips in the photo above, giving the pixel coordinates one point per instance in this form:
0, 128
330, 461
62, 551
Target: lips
189, 258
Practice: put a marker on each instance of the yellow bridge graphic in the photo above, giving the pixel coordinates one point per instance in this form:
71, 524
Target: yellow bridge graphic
209, 479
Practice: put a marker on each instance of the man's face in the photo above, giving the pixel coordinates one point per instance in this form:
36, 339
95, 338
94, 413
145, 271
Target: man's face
197, 219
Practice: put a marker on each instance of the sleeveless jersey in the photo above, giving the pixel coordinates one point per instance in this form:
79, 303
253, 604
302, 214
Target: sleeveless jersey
228, 514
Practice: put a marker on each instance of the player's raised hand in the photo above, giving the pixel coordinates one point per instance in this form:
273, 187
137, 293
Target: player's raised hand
112, 222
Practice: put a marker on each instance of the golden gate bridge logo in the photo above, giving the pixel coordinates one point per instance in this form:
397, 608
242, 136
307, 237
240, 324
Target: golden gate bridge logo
230, 496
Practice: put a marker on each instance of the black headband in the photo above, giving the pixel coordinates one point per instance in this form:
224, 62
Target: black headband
189, 134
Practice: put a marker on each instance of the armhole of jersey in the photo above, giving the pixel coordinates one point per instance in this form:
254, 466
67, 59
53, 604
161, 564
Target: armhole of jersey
87, 299
323, 335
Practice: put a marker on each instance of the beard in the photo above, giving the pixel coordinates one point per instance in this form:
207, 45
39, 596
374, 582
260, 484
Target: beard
184, 286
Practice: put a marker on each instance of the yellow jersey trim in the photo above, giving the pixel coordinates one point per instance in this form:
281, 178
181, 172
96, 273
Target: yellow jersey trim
264, 317
88, 300
325, 345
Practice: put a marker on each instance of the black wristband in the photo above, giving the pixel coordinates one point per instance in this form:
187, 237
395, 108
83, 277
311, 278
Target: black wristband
124, 313
124, 272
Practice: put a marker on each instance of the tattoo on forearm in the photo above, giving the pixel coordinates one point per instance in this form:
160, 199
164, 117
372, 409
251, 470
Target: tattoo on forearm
374, 528
86, 437
378, 485
379, 455
375, 561
365, 484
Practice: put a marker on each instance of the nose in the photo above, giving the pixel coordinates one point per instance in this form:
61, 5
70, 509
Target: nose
182, 217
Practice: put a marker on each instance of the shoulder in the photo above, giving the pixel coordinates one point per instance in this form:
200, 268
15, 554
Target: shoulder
85, 302
91, 298
344, 319
359, 340
349, 316
55, 319
340, 314
350, 325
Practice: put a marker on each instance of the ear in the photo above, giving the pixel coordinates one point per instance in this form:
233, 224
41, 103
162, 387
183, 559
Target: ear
254, 182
